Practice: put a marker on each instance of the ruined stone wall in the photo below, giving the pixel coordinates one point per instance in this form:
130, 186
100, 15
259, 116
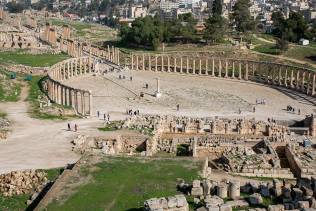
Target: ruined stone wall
296, 164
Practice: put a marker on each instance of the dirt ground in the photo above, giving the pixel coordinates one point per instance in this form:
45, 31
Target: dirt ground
198, 96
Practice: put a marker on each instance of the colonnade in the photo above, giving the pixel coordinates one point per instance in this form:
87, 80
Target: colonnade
111, 53
49, 35
292, 77
3, 13
79, 99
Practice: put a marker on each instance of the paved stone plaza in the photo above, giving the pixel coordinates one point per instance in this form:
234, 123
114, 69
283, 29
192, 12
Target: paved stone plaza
198, 96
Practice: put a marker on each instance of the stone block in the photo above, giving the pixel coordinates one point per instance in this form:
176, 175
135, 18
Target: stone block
298, 194
264, 191
278, 207
172, 202
214, 200
302, 204
255, 199
197, 191
225, 207
210, 207
196, 183
238, 203
181, 200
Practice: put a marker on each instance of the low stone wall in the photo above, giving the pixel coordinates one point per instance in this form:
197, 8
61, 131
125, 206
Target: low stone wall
270, 172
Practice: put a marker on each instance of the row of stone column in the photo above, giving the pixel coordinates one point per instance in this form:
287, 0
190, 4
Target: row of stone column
80, 100
293, 77
111, 53
50, 35
72, 48
72, 67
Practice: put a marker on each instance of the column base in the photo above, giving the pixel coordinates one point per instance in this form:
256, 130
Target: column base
158, 94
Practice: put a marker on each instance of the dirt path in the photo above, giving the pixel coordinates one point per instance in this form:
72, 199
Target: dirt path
36, 144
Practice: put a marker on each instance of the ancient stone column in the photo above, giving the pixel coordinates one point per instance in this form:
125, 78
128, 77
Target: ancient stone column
193, 68
162, 65
308, 83
206, 66
143, 62
233, 73
168, 64
90, 102
136, 63
219, 68
200, 67
83, 103
285, 78
181, 63
156, 63
313, 85
267, 72
149, 62
247, 71
187, 69
239, 76
297, 80
222, 190
234, 189
303, 82
226, 68
280, 76
291, 78
194, 147
175, 64
213, 67
132, 61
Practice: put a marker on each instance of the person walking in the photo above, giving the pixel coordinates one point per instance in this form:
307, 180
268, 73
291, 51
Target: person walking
178, 107
69, 128
108, 117
98, 114
76, 127
104, 117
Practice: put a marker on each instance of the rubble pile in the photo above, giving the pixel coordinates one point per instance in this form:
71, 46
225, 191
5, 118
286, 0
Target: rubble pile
21, 182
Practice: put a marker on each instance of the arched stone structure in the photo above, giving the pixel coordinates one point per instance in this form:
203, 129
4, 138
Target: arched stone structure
292, 77
79, 99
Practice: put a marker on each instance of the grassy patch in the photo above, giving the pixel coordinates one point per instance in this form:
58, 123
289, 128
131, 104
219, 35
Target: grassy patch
24, 58
125, 183
10, 90
307, 53
267, 49
3, 114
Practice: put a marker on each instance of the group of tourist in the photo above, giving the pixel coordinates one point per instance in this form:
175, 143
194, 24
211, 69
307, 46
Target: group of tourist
123, 77
261, 101
131, 112
292, 109
75, 127
106, 117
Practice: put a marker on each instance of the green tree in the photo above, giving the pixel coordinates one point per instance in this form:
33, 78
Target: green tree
215, 28
278, 23
217, 7
241, 17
